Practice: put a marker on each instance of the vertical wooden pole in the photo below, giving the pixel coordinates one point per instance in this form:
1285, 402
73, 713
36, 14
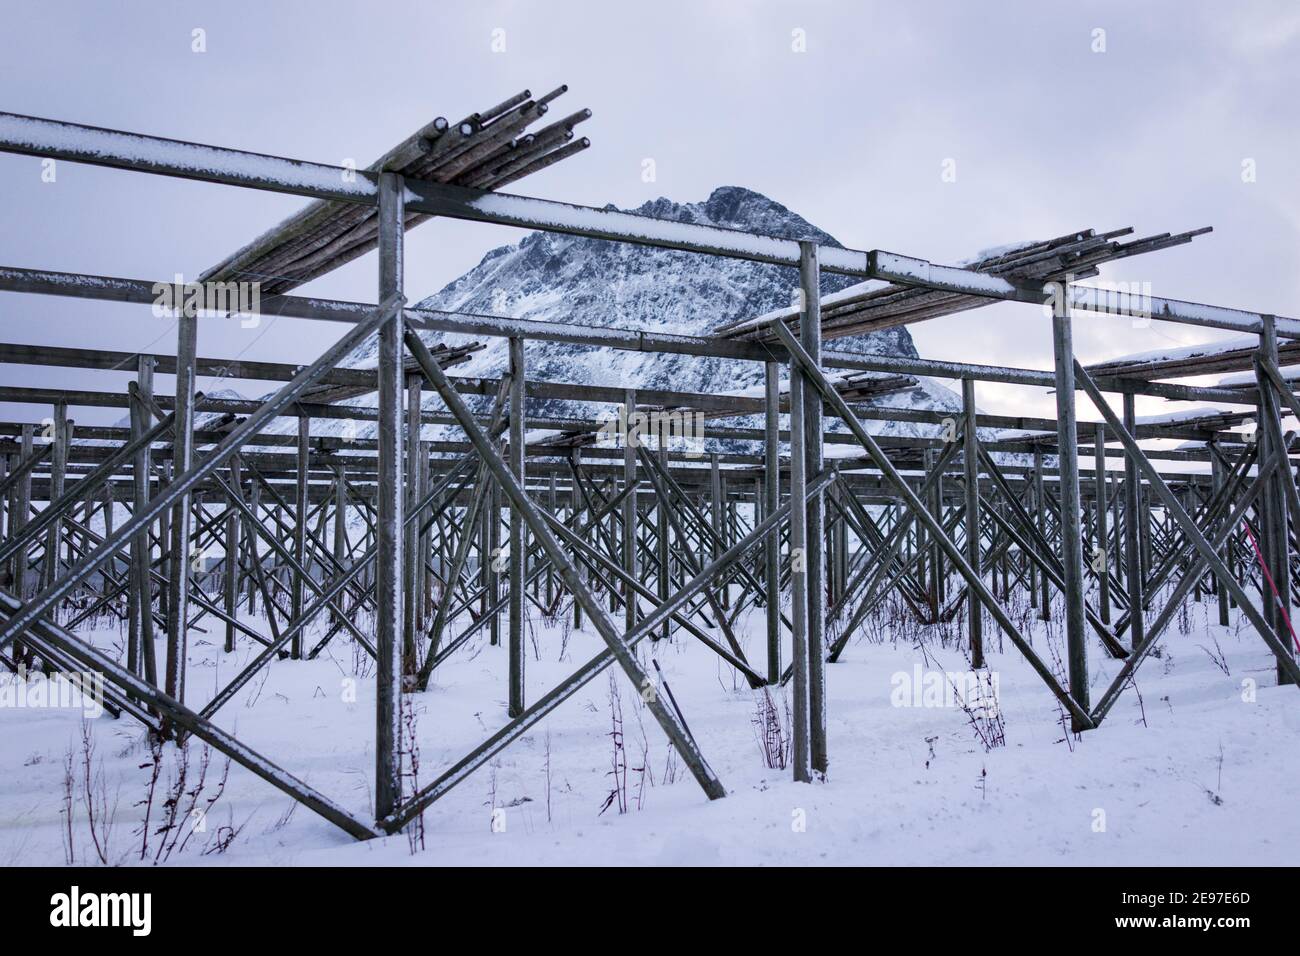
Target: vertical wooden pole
631, 439
971, 477
411, 562
518, 529
1146, 521
427, 548
484, 533
1040, 503
1116, 522
662, 553
6, 503
810, 337
340, 523
178, 580
301, 504
1076, 633
938, 560
389, 596
59, 426
934, 553
575, 502
772, 502
1221, 592
553, 506
23, 507
163, 474
140, 590
233, 521
1275, 525
840, 574
715, 545
1103, 532
250, 540
800, 745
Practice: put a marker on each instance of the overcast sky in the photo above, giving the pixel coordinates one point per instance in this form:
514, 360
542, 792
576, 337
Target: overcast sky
1046, 134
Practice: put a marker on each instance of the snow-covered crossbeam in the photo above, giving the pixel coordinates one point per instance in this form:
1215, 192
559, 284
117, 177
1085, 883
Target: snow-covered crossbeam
1182, 353
142, 292
460, 203
1247, 379
104, 147
170, 157
906, 270
1090, 299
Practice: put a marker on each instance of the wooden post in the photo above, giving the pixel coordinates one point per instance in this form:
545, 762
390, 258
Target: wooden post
1116, 522
662, 553
1040, 504
1076, 633
340, 523
631, 438
498, 551
772, 501
301, 504
575, 502
140, 591
23, 506
715, 546
1103, 532
971, 477
1275, 525
810, 337
1221, 592
553, 506
1146, 519
109, 517
938, 562
929, 548
250, 538
800, 745
6, 501
178, 580
58, 434
389, 593
426, 542
232, 558
518, 529
840, 538
411, 563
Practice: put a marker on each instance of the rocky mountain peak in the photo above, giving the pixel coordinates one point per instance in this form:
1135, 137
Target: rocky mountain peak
572, 279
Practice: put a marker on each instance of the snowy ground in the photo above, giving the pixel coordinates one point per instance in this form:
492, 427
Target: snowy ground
1190, 773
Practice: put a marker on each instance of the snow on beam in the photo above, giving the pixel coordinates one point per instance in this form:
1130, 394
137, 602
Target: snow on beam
903, 365
1194, 416
42, 282
1091, 299
918, 272
74, 142
143, 292
457, 202
907, 270
1180, 353
32, 136
1290, 374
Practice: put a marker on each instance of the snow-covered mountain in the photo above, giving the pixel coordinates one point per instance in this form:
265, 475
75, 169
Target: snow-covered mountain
551, 277
555, 278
